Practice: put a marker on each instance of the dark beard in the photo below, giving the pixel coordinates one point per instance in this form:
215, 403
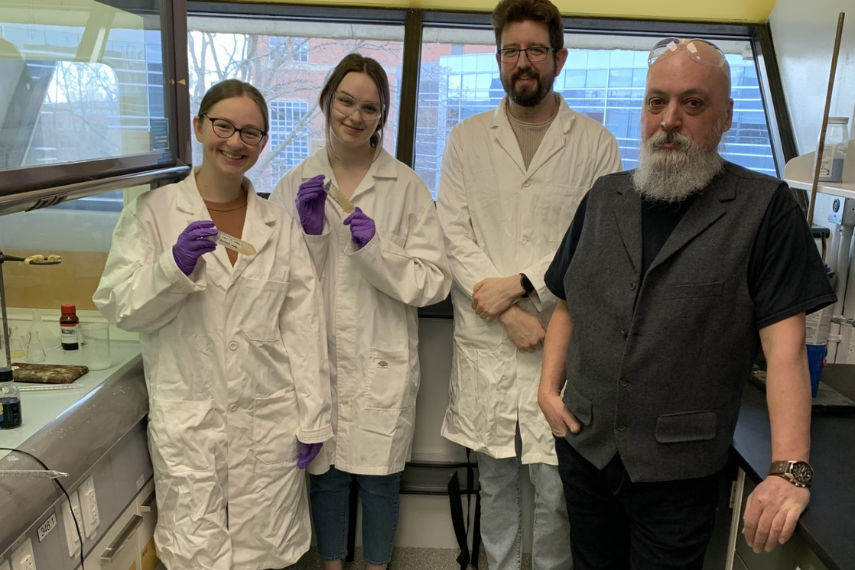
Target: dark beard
528, 98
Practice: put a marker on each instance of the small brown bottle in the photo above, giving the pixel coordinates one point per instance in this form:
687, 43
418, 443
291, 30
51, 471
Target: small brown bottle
68, 327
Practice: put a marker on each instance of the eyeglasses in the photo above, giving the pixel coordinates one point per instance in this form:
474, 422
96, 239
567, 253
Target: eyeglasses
347, 105
534, 54
696, 49
224, 129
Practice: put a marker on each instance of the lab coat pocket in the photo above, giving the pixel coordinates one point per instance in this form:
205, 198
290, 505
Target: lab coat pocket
388, 380
555, 207
274, 428
182, 434
262, 302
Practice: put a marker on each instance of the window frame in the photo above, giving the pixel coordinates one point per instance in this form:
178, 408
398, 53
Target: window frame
40, 186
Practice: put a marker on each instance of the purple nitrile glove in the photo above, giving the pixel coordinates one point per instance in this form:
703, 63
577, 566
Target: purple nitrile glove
191, 244
308, 451
310, 205
361, 228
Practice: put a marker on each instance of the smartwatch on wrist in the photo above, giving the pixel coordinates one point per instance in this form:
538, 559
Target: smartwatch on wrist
799, 473
528, 288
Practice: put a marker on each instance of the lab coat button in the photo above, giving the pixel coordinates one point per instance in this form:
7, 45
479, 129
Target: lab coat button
233, 407
527, 183
632, 285
523, 240
233, 345
623, 382
621, 427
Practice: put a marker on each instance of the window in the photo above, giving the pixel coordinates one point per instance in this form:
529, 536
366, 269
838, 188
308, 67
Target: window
289, 49
85, 89
289, 70
289, 135
604, 78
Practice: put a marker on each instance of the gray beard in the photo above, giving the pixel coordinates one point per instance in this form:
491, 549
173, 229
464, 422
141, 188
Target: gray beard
673, 175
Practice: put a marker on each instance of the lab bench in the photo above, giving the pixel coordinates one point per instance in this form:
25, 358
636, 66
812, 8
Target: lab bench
824, 536
96, 433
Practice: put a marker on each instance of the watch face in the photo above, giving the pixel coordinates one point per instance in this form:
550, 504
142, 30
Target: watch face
802, 472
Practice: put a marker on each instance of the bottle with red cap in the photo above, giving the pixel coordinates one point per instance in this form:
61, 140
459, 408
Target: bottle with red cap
68, 327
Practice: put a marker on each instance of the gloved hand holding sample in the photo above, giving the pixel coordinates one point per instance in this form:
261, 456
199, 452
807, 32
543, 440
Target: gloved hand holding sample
361, 227
191, 245
310, 205
308, 451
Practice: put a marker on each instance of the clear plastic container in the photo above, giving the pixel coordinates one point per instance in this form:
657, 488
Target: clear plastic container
834, 152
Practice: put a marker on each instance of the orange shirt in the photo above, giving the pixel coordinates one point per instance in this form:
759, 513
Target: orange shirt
229, 218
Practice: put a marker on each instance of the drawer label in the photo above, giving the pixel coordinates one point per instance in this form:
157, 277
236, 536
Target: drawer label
47, 526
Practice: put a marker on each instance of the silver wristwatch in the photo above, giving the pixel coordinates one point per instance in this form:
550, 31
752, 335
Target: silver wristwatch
799, 473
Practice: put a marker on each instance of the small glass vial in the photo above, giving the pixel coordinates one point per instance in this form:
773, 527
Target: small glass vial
10, 401
834, 151
68, 328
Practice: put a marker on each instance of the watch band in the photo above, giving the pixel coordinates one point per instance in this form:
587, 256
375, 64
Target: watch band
799, 473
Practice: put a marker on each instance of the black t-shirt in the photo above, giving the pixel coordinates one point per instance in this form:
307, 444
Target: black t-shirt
783, 242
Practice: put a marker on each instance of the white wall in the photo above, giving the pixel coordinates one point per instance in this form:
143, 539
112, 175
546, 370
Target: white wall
803, 33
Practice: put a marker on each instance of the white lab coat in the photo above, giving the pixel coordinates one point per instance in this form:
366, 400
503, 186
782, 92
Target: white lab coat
235, 364
370, 297
499, 219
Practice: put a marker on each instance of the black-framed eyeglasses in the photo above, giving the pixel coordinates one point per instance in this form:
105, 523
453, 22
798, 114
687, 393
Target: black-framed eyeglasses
225, 129
534, 54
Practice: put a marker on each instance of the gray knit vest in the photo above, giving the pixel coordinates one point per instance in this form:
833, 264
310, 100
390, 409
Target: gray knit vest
657, 374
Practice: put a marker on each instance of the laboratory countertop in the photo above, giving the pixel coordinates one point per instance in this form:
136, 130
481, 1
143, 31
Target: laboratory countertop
827, 524
70, 430
43, 407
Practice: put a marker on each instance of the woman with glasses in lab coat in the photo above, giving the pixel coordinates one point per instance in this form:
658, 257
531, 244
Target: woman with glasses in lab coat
233, 347
376, 265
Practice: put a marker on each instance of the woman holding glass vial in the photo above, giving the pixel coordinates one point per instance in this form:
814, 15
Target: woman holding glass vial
376, 266
233, 348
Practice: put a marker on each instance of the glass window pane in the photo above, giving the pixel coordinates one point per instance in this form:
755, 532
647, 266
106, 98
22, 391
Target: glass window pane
289, 69
81, 81
604, 78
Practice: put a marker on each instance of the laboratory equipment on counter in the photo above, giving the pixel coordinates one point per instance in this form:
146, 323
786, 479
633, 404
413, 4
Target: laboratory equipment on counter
36, 473
232, 243
68, 324
834, 150
31, 260
46, 388
36, 352
16, 345
10, 401
49, 338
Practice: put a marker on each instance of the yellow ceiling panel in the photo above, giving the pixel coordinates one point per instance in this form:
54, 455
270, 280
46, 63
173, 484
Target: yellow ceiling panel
717, 11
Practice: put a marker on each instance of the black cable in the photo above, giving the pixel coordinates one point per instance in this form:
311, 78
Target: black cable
64, 492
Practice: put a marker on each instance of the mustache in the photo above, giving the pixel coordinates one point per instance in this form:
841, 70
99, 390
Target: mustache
524, 75
670, 137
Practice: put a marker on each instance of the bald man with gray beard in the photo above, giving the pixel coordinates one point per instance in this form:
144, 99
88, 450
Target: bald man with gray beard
671, 279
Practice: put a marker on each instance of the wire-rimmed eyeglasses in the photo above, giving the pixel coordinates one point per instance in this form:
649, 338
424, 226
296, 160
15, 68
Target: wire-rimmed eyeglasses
347, 105
225, 129
696, 49
534, 54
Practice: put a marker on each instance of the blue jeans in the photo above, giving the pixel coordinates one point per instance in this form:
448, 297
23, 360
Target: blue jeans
617, 524
500, 514
379, 496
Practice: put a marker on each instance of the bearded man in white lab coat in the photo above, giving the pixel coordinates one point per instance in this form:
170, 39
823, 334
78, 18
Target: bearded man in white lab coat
511, 180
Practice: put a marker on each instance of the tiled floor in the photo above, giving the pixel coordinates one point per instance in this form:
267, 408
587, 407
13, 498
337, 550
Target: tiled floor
406, 559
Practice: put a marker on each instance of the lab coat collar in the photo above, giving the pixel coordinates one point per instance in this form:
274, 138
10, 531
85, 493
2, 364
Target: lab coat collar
257, 228
503, 133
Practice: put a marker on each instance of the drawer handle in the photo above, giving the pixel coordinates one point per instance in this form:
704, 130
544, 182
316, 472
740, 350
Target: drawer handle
145, 506
121, 540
